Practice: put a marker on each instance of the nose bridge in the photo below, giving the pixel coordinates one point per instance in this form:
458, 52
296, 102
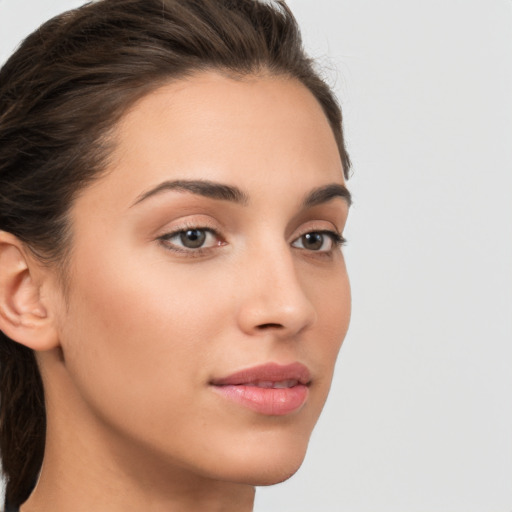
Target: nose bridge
273, 296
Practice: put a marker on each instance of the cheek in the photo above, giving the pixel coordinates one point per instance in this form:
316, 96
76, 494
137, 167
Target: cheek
137, 333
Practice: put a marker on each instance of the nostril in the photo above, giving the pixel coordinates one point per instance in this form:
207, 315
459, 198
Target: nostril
270, 326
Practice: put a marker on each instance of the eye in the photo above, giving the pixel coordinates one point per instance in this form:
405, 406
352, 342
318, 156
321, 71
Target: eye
320, 241
191, 239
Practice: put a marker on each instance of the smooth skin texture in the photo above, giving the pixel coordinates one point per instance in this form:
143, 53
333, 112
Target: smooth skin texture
128, 354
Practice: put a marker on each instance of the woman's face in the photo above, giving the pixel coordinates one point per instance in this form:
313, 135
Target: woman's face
208, 292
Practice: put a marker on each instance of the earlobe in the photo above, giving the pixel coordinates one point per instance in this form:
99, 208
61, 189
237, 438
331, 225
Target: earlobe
23, 315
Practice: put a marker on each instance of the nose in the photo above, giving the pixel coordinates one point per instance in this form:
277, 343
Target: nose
273, 297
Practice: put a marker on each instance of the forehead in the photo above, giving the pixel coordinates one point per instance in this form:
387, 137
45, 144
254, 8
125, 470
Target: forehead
251, 132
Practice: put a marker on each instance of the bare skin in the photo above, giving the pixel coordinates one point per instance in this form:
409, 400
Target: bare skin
128, 357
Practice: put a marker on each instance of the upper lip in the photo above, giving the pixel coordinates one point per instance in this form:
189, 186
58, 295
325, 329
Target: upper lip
270, 372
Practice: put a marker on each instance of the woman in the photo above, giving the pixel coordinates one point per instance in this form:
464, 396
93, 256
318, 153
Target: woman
172, 202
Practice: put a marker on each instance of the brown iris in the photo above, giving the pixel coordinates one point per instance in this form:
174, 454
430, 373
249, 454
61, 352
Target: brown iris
193, 238
313, 241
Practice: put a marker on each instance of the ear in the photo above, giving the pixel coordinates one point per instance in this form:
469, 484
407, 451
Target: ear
24, 316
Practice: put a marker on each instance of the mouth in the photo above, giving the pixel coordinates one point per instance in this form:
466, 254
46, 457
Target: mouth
268, 384
270, 389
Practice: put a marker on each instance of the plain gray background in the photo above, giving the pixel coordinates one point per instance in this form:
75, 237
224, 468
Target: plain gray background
420, 414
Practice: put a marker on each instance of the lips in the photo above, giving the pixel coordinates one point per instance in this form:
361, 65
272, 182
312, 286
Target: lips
269, 389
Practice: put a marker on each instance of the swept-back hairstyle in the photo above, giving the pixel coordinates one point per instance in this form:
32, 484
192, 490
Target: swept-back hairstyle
61, 94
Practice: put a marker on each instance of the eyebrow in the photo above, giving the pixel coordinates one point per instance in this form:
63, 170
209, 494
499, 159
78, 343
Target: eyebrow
324, 194
233, 194
200, 187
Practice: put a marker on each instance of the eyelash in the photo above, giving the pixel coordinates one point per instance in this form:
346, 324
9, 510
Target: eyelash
337, 241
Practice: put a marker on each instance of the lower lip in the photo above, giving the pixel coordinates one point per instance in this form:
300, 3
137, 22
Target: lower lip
269, 401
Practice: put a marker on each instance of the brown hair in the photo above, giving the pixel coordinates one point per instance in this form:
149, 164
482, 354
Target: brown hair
62, 92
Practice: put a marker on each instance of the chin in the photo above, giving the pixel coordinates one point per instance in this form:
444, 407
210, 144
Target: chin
265, 467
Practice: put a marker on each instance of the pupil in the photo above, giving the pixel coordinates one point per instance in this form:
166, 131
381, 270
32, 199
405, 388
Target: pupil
313, 241
193, 238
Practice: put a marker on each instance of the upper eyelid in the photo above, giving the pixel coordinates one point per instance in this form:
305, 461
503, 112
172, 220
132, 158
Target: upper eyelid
315, 228
216, 231
310, 229
188, 224
177, 231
